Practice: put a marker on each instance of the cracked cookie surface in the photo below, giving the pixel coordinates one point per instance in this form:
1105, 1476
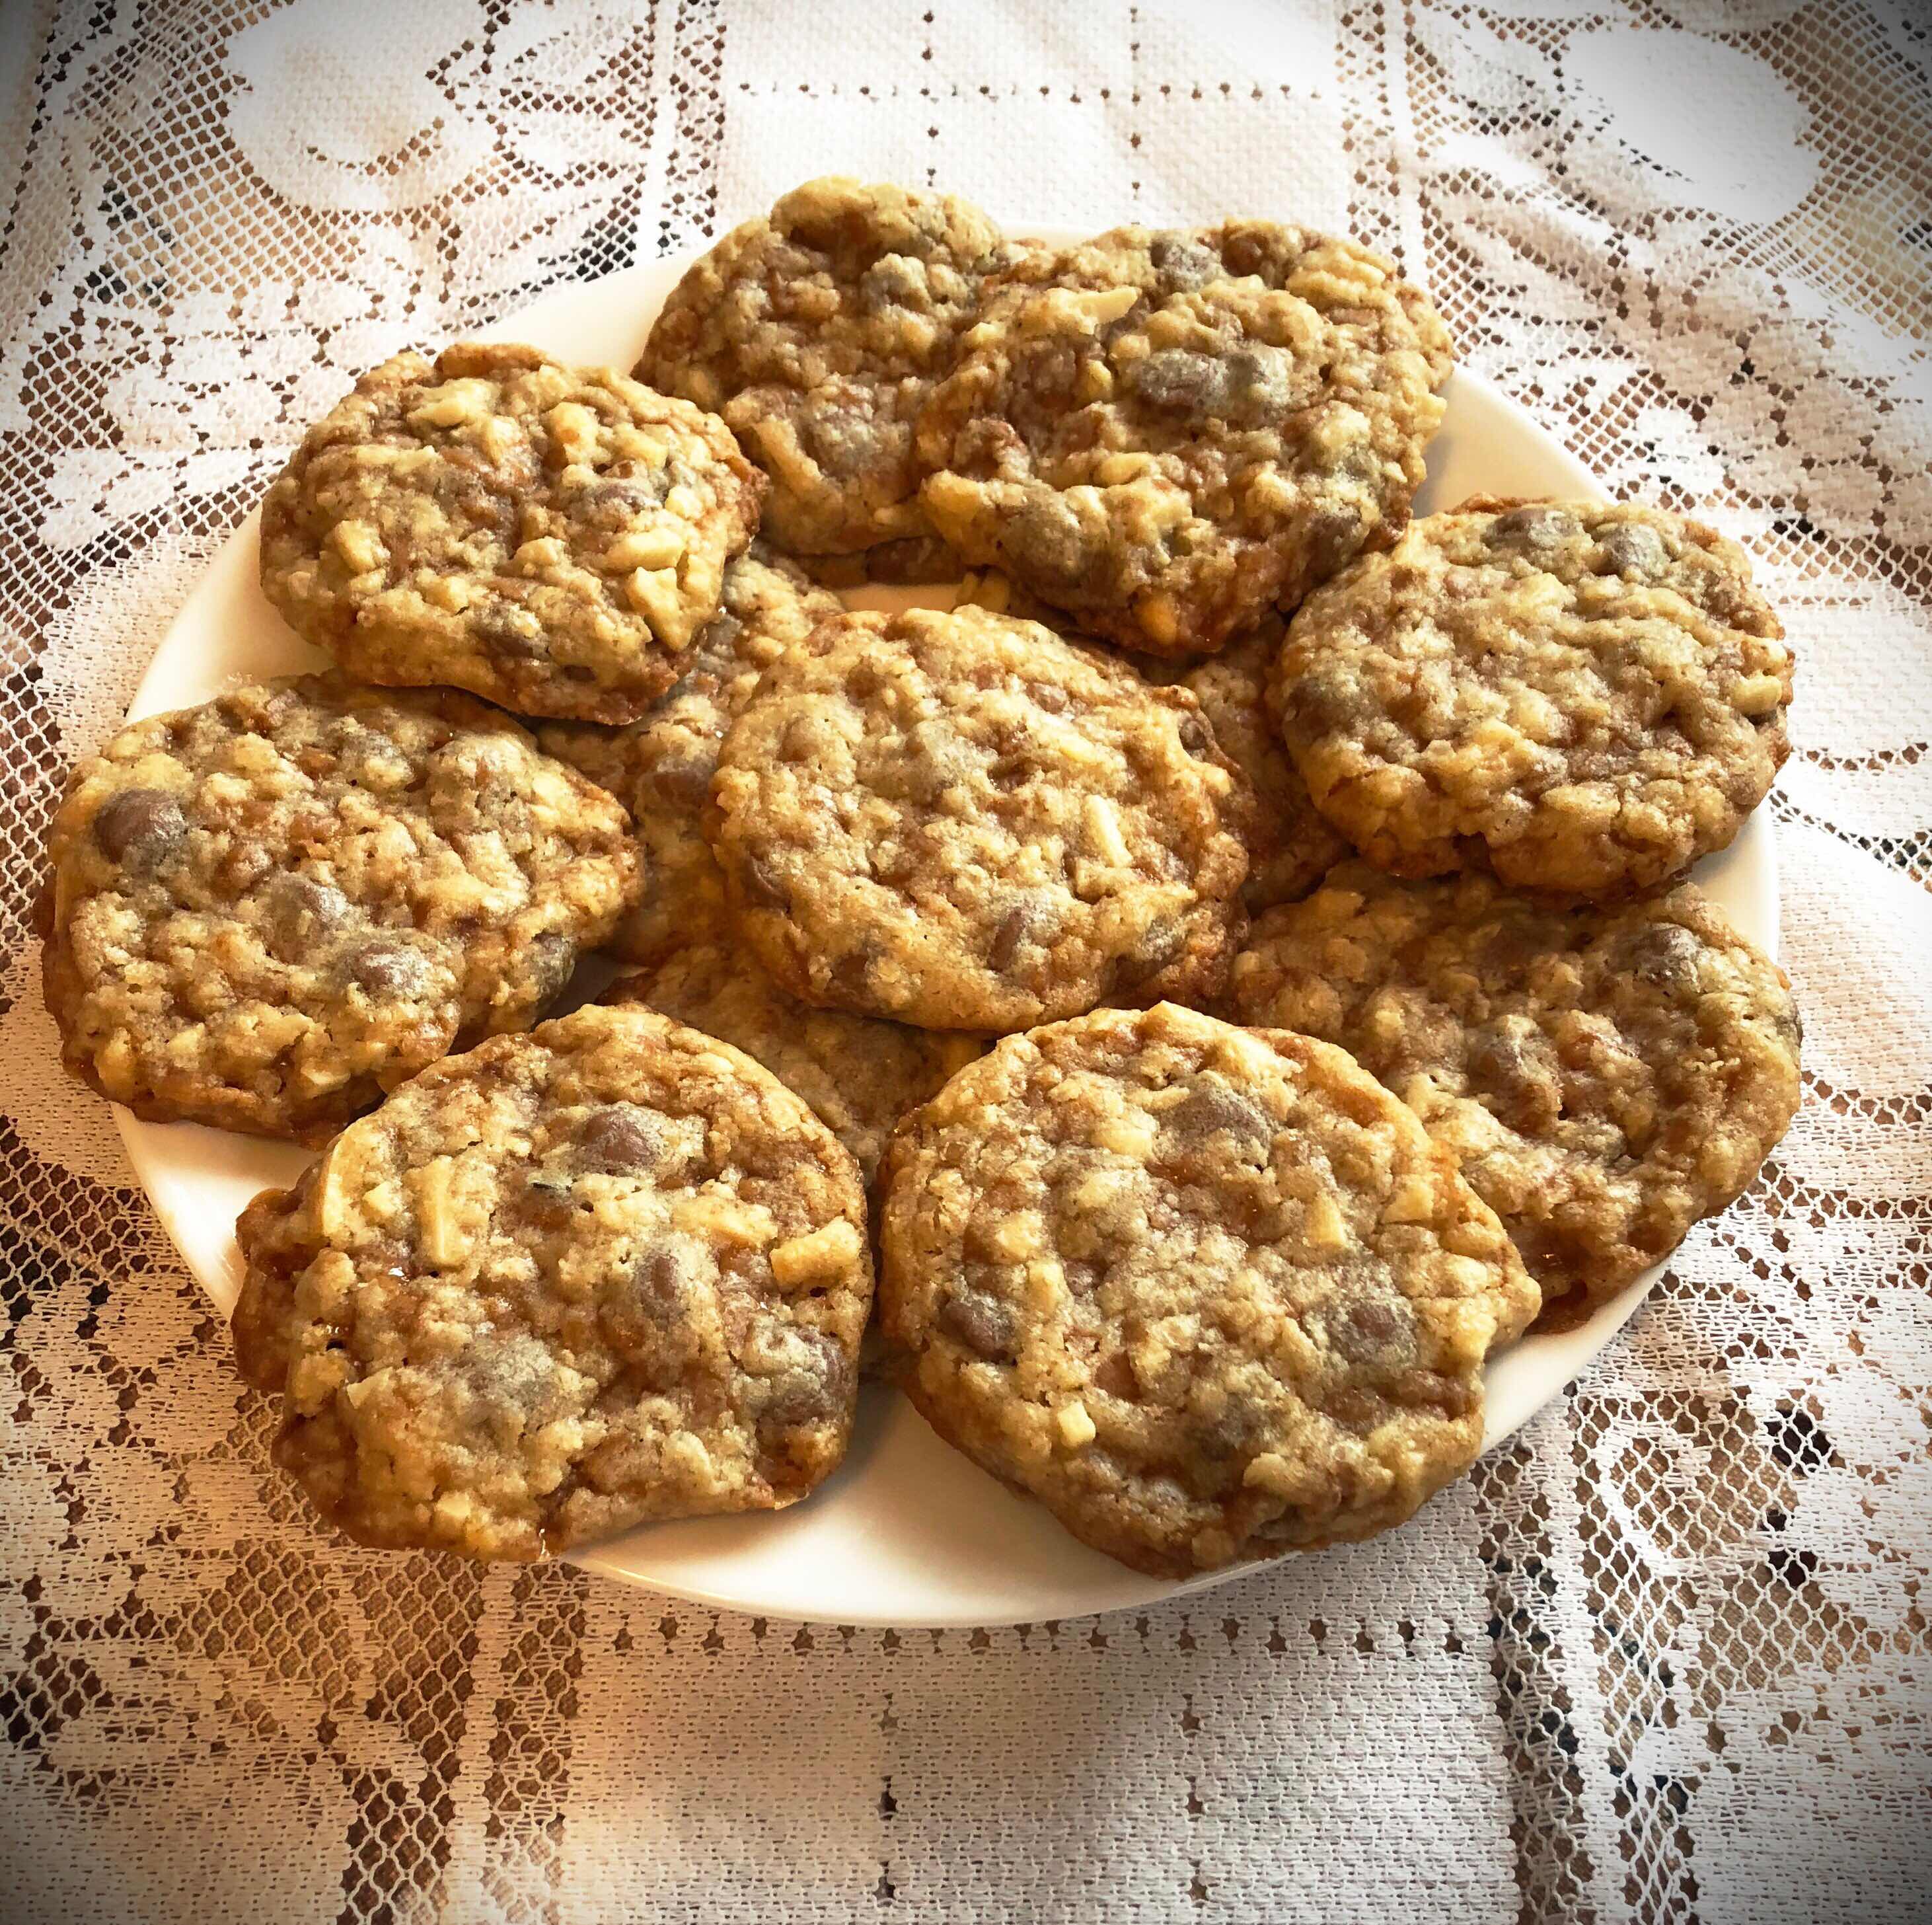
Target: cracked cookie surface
818, 331
1165, 433
1208, 1293
1588, 697
552, 537
660, 766
1604, 1075
607, 1273
962, 821
859, 1074
266, 911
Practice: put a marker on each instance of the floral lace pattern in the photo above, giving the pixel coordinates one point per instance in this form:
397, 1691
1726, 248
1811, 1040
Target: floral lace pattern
1664, 1657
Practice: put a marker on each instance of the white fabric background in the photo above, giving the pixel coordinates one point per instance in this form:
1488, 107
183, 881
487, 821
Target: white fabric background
1665, 1657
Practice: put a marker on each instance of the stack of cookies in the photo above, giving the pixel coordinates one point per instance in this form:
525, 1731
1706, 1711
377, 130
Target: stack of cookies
1226, 969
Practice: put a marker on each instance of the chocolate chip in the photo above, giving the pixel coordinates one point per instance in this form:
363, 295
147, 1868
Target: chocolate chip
1196, 737
648, 1316
1666, 956
1047, 541
621, 1140
848, 442
1159, 944
388, 972
1245, 388
1369, 1328
1230, 1431
810, 1393
139, 827
1211, 1107
982, 1323
1533, 528
301, 909
551, 962
657, 1285
683, 781
615, 504
1513, 1071
1630, 548
1006, 939
1177, 381
766, 886
499, 632
1373, 1321
1183, 263
1327, 698
1333, 536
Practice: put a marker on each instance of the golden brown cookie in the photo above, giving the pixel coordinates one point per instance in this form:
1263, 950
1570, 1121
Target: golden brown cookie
552, 537
1208, 1293
1604, 1075
1587, 697
817, 332
860, 1075
962, 821
267, 911
661, 765
1166, 433
610, 1271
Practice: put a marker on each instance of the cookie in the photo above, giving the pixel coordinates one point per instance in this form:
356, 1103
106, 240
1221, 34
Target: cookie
818, 332
1164, 433
1207, 1293
660, 766
961, 821
609, 1271
1586, 697
552, 537
1604, 1075
267, 911
1291, 845
860, 1075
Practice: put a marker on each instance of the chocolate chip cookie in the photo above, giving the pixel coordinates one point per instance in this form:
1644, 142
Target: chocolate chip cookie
660, 767
553, 538
609, 1271
860, 1075
1164, 433
818, 332
962, 821
266, 911
1604, 1075
1208, 1293
1587, 697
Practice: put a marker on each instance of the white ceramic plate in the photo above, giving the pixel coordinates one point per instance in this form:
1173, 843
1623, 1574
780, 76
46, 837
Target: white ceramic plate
908, 1532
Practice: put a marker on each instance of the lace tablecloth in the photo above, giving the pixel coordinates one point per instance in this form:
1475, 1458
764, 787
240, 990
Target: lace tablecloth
1664, 1657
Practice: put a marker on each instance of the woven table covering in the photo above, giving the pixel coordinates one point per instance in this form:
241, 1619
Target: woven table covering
1664, 1656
